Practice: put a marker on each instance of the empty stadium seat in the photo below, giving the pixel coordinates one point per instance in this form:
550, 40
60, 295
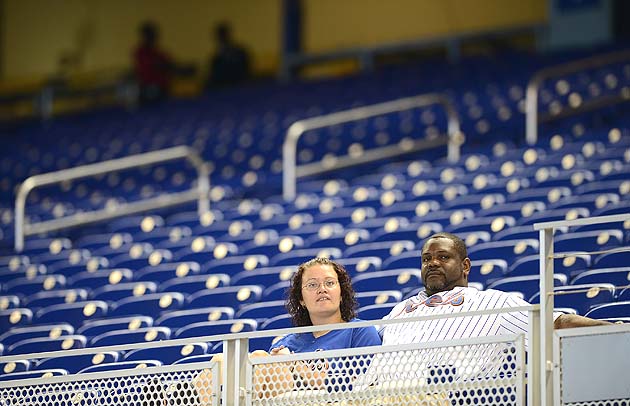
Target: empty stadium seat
96, 327
73, 313
75, 363
208, 328
126, 336
167, 355
182, 318
42, 344
581, 297
153, 304
608, 310
402, 279
21, 333
233, 296
527, 285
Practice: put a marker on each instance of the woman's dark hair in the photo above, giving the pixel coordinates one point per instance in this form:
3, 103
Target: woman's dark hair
299, 313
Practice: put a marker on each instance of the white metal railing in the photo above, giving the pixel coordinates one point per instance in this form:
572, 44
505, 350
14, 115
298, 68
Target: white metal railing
533, 87
236, 380
200, 193
291, 172
549, 361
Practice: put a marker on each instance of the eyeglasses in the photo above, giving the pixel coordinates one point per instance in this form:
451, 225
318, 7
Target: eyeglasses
328, 284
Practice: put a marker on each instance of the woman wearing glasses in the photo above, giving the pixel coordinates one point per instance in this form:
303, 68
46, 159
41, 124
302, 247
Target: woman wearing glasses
321, 293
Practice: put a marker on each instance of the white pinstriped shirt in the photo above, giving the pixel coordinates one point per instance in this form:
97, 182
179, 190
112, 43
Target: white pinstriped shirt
459, 299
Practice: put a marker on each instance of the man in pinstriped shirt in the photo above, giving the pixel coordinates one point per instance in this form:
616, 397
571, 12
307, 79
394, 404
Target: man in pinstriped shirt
445, 269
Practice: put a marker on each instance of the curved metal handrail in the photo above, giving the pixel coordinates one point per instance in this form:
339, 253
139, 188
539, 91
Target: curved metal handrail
531, 98
99, 168
289, 150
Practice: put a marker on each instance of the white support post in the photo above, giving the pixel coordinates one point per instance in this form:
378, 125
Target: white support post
547, 363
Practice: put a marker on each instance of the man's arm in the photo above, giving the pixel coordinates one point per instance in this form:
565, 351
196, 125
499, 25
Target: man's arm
573, 320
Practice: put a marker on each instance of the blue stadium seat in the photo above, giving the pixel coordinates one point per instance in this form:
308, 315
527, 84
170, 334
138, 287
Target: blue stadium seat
624, 295
126, 336
284, 244
508, 250
277, 291
94, 242
120, 365
485, 271
162, 272
589, 240
402, 279
233, 296
516, 210
266, 276
135, 261
75, 363
235, 264
299, 256
46, 245
555, 215
102, 277
383, 249
15, 318
343, 239
54, 297
14, 366
22, 333
195, 358
9, 302
357, 265
96, 327
611, 259
73, 313
277, 322
378, 297
167, 355
527, 285
617, 309
28, 286
45, 373
487, 224
180, 318
112, 293
136, 224
164, 235
208, 328
569, 265
619, 276
23, 271
153, 304
195, 283
71, 268
581, 297
375, 311
42, 344
261, 311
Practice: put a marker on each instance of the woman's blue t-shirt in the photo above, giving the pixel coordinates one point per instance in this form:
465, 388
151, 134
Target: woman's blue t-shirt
333, 340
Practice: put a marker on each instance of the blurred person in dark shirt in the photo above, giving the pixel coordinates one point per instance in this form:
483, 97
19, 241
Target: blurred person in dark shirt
230, 64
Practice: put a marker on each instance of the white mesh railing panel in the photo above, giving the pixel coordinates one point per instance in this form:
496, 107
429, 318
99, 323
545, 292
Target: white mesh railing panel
146, 387
470, 372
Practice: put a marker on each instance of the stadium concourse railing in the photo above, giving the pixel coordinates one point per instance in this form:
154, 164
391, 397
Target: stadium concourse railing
199, 193
291, 172
586, 366
484, 370
533, 89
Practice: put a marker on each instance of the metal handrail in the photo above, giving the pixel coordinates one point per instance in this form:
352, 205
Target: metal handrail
531, 98
549, 363
169, 154
289, 150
